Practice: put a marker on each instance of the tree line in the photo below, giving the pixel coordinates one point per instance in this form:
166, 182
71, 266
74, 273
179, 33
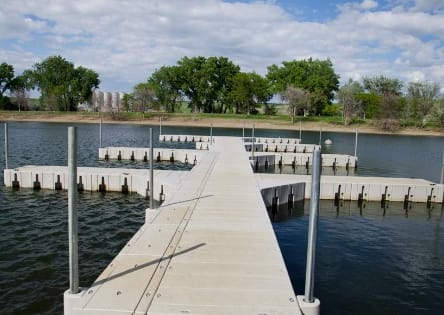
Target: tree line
62, 86
217, 85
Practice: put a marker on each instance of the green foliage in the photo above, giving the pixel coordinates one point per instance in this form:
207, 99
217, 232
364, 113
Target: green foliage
315, 76
331, 110
383, 86
62, 85
248, 92
370, 103
167, 87
298, 101
348, 97
421, 97
143, 96
6, 77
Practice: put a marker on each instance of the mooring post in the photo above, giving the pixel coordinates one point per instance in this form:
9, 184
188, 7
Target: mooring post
442, 168
6, 146
100, 132
356, 142
310, 305
151, 170
300, 130
72, 212
252, 144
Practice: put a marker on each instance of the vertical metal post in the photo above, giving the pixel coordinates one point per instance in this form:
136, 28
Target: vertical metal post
211, 134
100, 132
356, 142
442, 168
72, 212
151, 170
252, 144
300, 130
243, 132
312, 227
6, 146
160, 126
320, 134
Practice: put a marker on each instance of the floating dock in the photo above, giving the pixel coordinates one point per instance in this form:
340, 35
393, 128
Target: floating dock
210, 247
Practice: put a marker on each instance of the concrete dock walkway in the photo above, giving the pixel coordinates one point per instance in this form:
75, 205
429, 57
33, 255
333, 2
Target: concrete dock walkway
210, 249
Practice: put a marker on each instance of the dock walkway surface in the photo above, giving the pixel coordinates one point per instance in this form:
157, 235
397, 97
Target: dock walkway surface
209, 249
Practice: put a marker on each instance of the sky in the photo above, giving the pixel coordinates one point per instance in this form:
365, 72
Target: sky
126, 40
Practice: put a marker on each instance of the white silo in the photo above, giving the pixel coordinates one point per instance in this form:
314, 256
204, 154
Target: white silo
115, 101
107, 101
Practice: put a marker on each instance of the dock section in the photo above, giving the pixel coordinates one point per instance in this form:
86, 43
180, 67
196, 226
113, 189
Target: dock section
209, 249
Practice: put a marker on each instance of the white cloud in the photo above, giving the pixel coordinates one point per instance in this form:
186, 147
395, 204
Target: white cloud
125, 41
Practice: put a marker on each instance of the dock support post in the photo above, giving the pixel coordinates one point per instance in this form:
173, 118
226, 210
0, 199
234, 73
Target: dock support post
151, 170
252, 144
356, 142
72, 211
442, 168
308, 303
300, 130
6, 146
100, 132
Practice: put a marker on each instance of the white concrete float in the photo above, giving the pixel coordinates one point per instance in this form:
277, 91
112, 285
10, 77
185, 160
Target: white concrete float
269, 140
142, 154
295, 148
114, 179
304, 159
364, 188
209, 249
183, 138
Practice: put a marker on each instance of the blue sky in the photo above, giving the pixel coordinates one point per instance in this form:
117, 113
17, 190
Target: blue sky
125, 41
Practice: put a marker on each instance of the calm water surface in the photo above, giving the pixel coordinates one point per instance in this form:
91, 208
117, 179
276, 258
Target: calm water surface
369, 260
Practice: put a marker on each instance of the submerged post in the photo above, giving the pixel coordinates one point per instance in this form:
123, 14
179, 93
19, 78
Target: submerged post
151, 170
72, 211
356, 142
6, 146
100, 132
312, 227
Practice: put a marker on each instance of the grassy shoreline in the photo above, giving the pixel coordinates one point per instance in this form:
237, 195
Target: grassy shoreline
204, 120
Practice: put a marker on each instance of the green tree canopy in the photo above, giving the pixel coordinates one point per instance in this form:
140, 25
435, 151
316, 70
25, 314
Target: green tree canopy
62, 85
421, 98
383, 86
250, 90
297, 99
315, 76
348, 98
167, 86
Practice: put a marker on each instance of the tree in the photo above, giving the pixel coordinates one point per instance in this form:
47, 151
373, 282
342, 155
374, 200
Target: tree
249, 91
6, 81
348, 98
207, 83
166, 85
62, 85
315, 76
127, 102
383, 86
437, 111
143, 96
370, 103
391, 102
421, 97
298, 101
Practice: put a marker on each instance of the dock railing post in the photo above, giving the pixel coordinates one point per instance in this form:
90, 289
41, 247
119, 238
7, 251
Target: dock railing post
151, 170
72, 211
309, 304
6, 146
356, 142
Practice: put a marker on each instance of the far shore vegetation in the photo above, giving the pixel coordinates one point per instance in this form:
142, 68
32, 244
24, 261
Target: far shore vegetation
214, 87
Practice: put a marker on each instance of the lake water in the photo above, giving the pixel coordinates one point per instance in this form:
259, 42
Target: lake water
369, 260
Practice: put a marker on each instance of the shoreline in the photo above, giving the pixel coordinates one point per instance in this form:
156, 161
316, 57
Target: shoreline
218, 123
